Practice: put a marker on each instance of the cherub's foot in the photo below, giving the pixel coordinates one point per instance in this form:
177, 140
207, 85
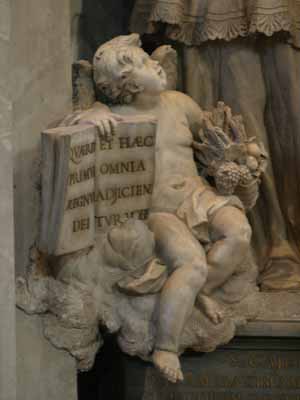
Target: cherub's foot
168, 364
211, 308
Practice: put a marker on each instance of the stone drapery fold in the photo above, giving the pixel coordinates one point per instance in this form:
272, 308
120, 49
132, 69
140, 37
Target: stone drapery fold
196, 21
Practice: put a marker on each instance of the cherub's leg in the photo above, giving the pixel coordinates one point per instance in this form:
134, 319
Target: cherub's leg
186, 260
232, 234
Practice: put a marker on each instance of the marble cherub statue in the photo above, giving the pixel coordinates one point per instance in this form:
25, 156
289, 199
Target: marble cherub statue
202, 237
186, 211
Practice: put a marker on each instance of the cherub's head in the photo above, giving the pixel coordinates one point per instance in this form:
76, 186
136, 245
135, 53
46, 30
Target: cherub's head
122, 70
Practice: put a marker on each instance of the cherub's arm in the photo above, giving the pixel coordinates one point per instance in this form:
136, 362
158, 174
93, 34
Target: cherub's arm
195, 115
99, 115
78, 116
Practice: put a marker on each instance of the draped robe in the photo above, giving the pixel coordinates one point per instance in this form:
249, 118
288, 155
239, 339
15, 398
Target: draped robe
247, 53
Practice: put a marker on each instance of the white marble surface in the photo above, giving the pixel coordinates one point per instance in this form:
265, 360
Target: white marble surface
35, 89
43, 371
41, 91
7, 293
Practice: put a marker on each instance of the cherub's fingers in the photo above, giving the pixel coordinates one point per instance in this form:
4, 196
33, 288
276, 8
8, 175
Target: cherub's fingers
113, 124
101, 129
107, 128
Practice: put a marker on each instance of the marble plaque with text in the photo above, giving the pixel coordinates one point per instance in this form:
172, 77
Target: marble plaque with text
256, 370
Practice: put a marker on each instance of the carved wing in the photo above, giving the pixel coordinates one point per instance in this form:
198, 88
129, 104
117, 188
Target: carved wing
168, 59
84, 94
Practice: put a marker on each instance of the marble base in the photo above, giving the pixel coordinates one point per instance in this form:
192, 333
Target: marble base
279, 316
43, 372
247, 369
262, 363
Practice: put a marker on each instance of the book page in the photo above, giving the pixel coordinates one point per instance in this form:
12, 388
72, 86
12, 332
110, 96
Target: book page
101, 181
77, 229
125, 174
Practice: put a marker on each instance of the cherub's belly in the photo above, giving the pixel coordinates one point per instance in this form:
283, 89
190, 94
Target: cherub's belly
174, 161
170, 193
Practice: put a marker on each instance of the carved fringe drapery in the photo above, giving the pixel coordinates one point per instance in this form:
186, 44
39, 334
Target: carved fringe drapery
196, 21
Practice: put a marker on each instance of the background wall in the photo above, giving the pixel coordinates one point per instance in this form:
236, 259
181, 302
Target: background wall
7, 293
96, 21
36, 53
41, 89
35, 90
41, 55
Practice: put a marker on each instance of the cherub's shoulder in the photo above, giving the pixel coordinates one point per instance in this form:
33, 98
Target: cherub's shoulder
174, 95
177, 99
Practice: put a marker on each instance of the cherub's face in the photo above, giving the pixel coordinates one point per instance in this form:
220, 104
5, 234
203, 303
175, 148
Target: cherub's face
149, 75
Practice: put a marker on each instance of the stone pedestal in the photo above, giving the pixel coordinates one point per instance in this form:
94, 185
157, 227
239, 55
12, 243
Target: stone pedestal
247, 369
262, 363
43, 372
279, 316
7, 259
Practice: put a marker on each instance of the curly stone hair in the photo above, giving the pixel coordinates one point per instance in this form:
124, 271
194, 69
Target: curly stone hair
113, 64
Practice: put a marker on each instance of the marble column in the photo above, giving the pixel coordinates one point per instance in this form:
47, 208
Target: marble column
7, 293
35, 90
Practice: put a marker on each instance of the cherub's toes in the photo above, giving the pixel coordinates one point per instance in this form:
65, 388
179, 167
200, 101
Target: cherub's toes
179, 375
217, 317
175, 375
170, 374
165, 371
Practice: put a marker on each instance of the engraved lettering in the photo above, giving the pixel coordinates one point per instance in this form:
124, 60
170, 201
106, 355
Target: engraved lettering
103, 221
279, 363
105, 143
81, 175
122, 167
110, 194
81, 201
80, 151
128, 142
82, 224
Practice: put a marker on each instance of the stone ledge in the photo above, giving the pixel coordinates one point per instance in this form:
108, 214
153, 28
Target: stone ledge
279, 316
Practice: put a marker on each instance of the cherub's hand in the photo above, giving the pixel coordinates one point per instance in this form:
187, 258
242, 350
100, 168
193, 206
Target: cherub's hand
99, 116
105, 122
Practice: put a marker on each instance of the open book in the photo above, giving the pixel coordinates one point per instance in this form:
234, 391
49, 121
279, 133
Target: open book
91, 182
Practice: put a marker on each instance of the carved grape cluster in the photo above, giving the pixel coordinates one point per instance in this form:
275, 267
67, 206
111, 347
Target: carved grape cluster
229, 175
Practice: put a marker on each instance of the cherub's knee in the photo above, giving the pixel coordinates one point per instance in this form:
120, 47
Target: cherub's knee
245, 232
242, 235
195, 274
